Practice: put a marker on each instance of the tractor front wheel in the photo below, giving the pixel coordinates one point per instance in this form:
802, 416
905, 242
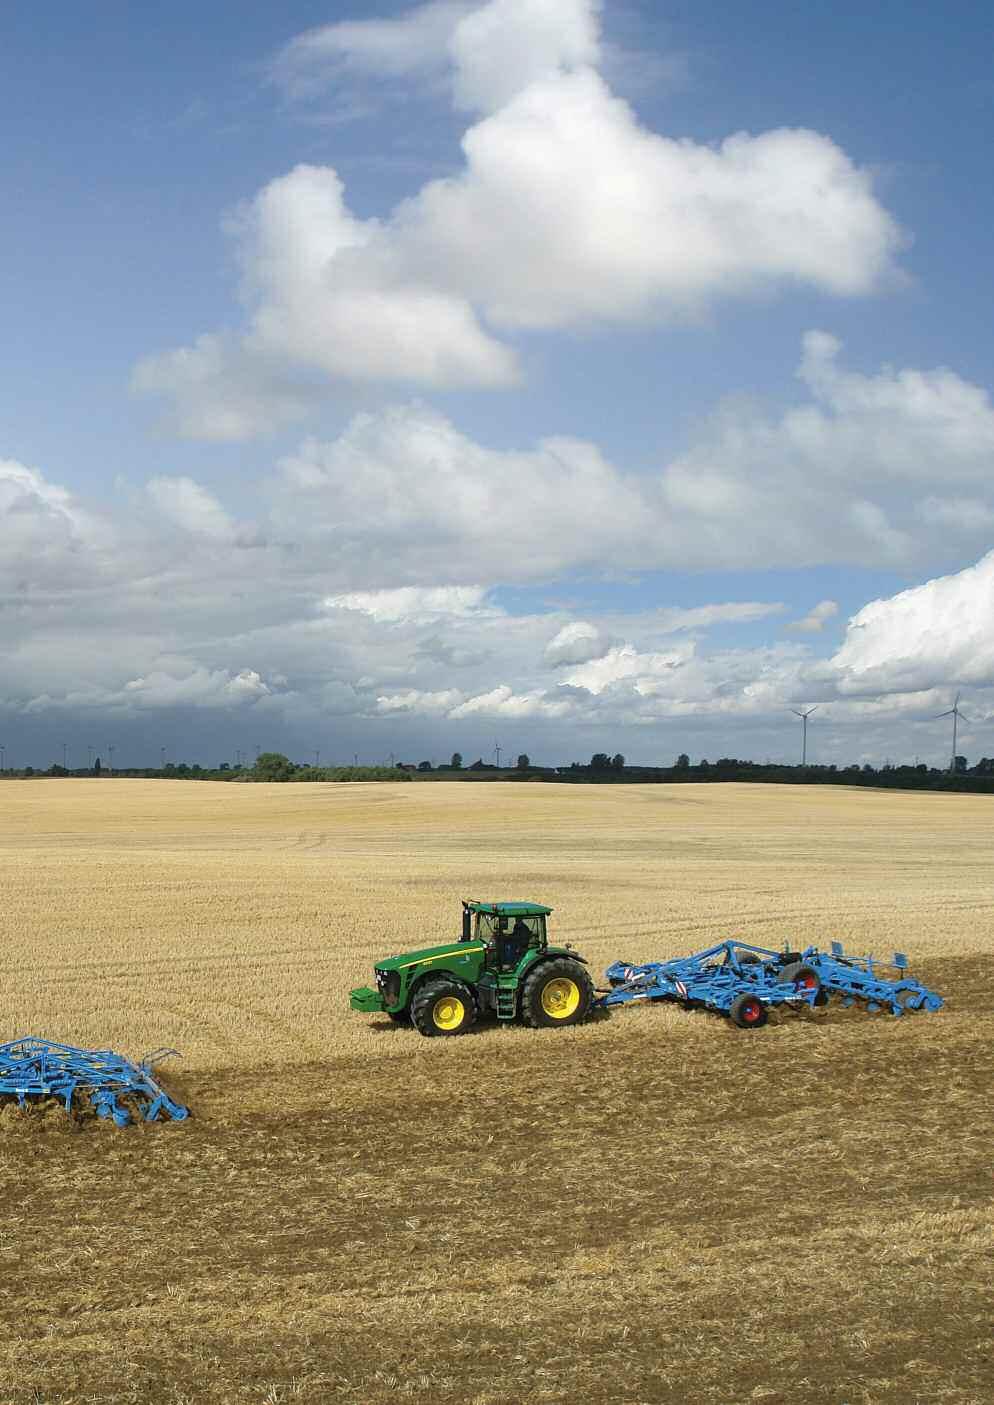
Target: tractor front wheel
558, 992
747, 1012
443, 1006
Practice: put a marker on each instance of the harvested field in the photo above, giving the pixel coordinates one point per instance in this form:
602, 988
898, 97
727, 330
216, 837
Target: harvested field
652, 1207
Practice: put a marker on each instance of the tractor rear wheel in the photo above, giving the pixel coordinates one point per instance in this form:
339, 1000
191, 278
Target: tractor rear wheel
747, 1012
442, 1006
558, 992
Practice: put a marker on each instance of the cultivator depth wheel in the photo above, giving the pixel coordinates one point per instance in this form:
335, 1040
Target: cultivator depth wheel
748, 1012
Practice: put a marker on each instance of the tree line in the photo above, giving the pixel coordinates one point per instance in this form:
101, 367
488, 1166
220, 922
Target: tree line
602, 768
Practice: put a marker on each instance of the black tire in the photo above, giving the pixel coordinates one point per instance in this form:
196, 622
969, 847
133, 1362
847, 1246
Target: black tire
443, 1006
801, 974
556, 993
909, 1000
748, 1012
399, 1016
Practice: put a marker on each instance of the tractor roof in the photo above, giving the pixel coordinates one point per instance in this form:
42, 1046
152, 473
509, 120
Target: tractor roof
510, 909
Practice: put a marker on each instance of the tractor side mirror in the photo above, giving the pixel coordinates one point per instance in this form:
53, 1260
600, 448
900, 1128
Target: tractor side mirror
467, 919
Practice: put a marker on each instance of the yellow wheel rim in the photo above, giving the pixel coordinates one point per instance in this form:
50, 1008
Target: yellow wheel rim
449, 1012
560, 998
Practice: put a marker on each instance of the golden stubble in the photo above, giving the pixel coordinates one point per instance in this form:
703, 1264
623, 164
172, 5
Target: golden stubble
231, 920
652, 1207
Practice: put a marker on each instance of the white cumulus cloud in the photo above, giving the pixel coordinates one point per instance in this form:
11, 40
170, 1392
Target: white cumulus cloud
935, 635
840, 476
576, 642
567, 212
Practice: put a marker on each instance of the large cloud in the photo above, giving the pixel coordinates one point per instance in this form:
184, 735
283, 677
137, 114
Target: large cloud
938, 634
567, 212
40, 518
342, 604
406, 494
845, 476
848, 475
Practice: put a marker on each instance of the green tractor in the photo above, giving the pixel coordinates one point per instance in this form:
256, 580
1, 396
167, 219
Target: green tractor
502, 965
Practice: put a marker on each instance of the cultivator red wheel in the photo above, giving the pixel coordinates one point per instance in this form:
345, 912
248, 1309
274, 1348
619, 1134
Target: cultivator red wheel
748, 1012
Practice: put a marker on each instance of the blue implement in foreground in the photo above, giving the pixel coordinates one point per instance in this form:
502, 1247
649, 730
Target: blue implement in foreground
40, 1068
744, 981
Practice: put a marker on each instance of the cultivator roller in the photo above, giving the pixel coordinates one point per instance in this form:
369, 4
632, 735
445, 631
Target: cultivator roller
113, 1085
744, 982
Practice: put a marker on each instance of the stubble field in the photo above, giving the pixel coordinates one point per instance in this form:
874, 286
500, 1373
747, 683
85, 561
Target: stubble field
651, 1207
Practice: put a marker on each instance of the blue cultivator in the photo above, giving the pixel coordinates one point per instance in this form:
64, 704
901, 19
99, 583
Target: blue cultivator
39, 1068
744, 981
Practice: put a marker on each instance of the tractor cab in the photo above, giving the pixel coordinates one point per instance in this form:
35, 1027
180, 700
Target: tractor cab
507, 930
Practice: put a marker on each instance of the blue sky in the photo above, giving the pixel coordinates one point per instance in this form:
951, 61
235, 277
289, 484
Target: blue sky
402, 380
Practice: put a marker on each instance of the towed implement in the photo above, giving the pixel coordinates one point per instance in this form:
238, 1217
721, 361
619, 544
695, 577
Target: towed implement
109, 1083
744, 982
502, 964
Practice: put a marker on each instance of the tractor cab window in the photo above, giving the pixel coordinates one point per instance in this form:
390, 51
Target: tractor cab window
508, 938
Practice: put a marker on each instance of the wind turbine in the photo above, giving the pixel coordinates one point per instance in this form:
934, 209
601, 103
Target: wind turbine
955, 714
497, 749
804, 718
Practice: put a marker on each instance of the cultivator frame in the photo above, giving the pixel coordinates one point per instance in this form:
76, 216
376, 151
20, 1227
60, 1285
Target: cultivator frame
743, 981
41, 1068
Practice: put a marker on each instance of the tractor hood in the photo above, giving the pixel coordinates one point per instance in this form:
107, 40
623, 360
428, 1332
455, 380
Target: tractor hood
429, 953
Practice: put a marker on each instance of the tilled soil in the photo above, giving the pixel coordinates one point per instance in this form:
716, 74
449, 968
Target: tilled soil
800, 1213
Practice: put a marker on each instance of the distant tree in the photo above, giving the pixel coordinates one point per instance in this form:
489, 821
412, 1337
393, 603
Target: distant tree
682, 762
272, 766
96, 767
424, 765
456, 762
617, 762
600, 761
959, 765
224, 766
984, 767
704, 764
523, 763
